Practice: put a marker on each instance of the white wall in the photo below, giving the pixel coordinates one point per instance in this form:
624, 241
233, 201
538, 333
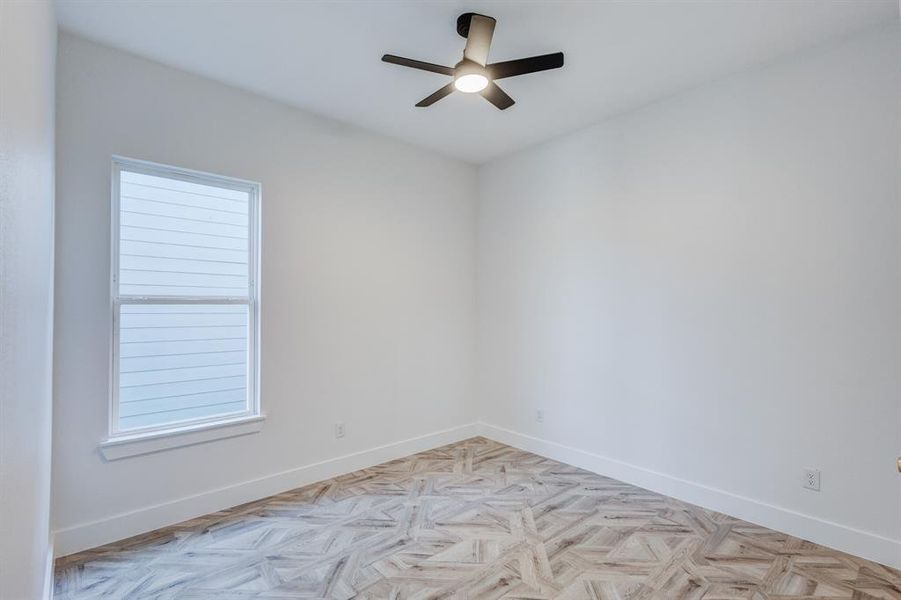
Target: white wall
27, 58
367, 288
706, 292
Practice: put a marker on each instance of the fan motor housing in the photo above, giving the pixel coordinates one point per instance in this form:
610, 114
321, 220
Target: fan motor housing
466, 67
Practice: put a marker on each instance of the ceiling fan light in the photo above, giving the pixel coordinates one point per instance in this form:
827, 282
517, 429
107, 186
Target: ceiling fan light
471, 83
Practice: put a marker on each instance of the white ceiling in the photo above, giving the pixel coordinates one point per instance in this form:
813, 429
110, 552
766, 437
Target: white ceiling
325, 56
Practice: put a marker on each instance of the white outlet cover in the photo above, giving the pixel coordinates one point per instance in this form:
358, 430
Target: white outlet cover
811, 480
339, 430
539, 416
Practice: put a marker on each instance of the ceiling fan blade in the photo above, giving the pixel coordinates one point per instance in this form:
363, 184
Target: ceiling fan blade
417, 64
497, 96
478, 41
522, 66
430, 100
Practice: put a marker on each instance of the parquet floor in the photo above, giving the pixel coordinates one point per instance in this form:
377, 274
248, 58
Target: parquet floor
475, 519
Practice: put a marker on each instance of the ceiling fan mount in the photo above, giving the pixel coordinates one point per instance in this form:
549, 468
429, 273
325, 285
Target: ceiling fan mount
474, 73
463, 22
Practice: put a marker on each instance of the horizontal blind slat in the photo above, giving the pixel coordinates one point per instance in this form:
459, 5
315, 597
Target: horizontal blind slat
182, 238
162, 208
184, 187
176, 417
174, 375
142, 289
177, 333
193, 319
178, 249
182, 225
149, 364
161, 195
186, 347
164, 278
162, 405
181, 389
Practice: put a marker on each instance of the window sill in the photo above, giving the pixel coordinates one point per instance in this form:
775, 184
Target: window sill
145, 443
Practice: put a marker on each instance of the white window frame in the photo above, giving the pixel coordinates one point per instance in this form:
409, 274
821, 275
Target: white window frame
194, 430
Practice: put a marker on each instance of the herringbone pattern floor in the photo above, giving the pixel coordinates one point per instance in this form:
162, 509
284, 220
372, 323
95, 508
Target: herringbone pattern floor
471, 520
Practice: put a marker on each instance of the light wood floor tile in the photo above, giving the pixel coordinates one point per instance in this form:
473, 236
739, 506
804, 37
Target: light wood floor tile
471, 520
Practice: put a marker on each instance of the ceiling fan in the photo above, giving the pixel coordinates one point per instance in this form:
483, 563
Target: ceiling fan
473, 73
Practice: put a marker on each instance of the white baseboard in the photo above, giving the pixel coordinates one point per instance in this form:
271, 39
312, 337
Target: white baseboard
125, 525
865, 544
48, 572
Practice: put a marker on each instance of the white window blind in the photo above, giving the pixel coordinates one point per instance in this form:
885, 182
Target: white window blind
184, 301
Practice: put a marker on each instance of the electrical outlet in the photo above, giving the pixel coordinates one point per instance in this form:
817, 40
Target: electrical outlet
811, 479
539, 415
339, 430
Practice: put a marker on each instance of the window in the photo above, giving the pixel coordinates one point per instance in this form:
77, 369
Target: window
185, 250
